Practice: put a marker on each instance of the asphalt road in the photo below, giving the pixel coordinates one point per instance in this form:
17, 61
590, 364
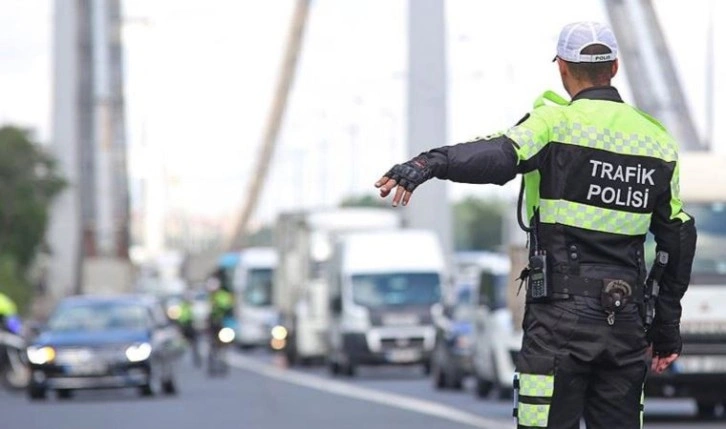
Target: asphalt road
259, 393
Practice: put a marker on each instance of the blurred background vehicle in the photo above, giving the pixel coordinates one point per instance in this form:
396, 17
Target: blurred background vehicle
381, 300
105, 342
14, 371
451, 360
304, 241
497, 339
700, 371
252, 284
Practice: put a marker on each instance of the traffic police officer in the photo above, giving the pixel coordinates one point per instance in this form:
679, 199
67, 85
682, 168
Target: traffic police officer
598, 175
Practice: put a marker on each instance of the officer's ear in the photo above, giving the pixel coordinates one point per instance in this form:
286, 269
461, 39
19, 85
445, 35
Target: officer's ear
562, 65
614, 68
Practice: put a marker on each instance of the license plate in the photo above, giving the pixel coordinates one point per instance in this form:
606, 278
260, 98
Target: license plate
403, 355
87, 369
700, 364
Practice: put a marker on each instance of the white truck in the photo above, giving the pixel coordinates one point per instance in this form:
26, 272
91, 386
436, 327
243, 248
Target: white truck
252, 283
700, 372
383, 286
304, 242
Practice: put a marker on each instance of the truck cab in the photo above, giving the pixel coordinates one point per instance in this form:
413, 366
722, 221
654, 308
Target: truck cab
383, 286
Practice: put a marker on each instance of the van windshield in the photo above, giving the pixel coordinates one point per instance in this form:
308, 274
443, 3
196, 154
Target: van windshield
258, 289
709, 264
396, 289
711, 246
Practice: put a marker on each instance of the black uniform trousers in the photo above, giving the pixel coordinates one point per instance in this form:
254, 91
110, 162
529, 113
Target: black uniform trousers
574, 364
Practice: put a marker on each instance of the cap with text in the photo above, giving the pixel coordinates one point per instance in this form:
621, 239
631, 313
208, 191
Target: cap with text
577, 36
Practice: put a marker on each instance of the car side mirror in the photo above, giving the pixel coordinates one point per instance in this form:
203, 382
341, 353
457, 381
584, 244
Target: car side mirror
336, 305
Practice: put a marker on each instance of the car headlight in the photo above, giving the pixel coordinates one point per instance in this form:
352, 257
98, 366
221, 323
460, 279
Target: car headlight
174, 312
138, 352
40, 355
226, 335
279, 332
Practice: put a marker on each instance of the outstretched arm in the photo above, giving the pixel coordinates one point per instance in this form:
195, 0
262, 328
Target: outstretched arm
481, 161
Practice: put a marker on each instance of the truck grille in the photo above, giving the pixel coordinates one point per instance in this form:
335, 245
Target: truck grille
397, 343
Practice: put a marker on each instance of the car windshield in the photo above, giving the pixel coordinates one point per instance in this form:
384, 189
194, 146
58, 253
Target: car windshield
395, 289
99, 317
258, 290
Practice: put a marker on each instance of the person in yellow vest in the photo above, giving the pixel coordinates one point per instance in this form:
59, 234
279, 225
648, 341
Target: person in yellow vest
599, 175
9, 318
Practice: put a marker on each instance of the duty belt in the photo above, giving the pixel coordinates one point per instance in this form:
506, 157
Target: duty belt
565, 284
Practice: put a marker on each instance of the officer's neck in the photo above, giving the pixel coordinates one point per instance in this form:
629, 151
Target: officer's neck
577, 86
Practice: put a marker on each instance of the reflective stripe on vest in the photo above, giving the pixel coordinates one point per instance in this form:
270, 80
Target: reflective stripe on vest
593, 218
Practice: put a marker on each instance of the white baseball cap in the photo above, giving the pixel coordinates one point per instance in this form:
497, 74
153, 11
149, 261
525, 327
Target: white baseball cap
577, 36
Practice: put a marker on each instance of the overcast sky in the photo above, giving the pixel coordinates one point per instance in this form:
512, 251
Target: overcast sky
200, 75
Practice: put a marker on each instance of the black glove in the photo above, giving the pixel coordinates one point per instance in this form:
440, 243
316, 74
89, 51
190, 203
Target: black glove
666, 339
412, 173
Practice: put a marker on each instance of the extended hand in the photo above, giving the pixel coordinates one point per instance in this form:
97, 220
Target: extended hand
405, 178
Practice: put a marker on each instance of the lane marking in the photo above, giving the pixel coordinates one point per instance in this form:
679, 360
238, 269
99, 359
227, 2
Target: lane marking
366, 394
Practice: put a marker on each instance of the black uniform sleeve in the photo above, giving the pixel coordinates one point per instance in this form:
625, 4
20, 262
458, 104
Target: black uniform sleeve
675, 232
482, 161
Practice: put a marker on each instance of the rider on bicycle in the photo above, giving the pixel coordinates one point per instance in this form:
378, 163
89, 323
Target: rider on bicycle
9, 318
221, 301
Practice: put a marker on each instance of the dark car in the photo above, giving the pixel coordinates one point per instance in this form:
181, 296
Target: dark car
93, 342
451, 360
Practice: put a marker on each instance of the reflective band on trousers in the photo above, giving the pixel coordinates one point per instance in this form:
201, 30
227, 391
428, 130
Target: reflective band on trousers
533, 415
593, 218
534, 386
537, 385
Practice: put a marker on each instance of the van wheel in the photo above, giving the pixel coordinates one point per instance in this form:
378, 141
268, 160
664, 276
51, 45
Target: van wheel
64, 393
349, 369
456, 381
483, 387
706, 409
36, 393
333, 368
439, 377
168, 386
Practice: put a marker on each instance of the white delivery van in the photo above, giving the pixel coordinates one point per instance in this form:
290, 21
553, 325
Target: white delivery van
304, 242
700, 371
497, 337
383, 286
252, 282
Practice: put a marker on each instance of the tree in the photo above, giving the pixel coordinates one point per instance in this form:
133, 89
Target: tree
29, 180
478, 224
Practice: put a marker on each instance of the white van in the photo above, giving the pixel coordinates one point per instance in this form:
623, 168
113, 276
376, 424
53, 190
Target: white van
497, 338
383, 286
252, 282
